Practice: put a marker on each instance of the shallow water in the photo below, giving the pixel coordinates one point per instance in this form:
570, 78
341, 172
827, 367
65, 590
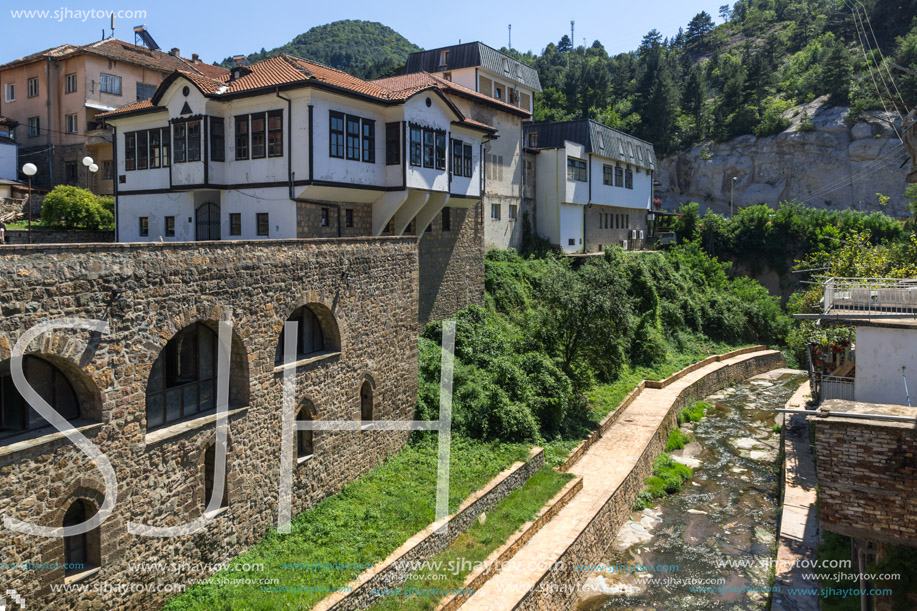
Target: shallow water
727, 512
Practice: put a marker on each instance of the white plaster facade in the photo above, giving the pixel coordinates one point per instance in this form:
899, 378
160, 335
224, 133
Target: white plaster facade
885, 356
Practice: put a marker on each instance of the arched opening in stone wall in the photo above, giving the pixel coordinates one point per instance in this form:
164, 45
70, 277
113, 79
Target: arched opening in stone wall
51, 384
81, 552
183, 379
317, 332
305, 447
210, 477
366, 402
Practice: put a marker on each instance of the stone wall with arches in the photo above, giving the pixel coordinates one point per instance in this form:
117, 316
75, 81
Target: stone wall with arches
364, 295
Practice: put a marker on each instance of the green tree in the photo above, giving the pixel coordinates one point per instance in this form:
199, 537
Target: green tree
699, 29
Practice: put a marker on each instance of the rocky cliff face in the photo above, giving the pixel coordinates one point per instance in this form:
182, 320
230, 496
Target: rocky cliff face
823, 160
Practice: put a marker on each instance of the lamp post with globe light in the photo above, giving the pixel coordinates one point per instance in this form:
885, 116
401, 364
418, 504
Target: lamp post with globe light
90, 164
29, 170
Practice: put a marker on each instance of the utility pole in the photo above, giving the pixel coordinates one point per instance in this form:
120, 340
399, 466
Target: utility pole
510, 47
732, 197
572, 38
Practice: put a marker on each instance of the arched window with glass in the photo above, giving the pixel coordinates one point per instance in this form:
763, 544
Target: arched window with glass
16, 415
183, 379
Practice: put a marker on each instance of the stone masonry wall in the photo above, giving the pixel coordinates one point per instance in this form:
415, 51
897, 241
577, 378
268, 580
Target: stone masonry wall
452, 265
49, 236
866, 475
368, 285
553, 590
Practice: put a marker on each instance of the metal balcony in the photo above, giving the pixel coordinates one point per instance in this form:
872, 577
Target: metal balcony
870, 298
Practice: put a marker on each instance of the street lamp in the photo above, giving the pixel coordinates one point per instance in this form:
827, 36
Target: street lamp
89, 163
29, 170
732, 197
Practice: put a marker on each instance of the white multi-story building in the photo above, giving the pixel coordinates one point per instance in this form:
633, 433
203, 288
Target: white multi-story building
594, 185
288, 148
8, 152
510, 87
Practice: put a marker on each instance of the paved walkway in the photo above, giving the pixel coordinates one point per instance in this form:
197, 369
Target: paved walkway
603, 467
798, 522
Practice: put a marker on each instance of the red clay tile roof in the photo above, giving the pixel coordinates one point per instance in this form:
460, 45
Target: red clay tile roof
141, 105
113, 48
408, 84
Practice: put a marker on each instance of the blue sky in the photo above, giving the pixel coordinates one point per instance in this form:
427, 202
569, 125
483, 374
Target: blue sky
217, 30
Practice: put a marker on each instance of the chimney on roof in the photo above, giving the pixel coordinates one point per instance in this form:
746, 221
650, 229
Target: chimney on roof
175, 52
195, 58
239, 59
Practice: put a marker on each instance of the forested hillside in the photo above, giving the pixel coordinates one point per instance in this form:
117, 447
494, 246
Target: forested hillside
366, 49
716, 82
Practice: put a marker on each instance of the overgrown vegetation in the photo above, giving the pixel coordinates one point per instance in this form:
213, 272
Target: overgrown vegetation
361, 525
834, 547
67, 207
475, 545
668, 477
677, 440
693, 413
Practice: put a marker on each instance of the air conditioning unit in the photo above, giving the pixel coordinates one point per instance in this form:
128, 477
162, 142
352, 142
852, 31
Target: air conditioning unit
624, 244
641, 234
633, 234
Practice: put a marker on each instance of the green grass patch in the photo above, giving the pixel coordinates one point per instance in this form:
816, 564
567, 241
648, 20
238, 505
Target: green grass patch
24, 224
475, 545
836, 547
693, 413
677, 440
361, 525
668, 477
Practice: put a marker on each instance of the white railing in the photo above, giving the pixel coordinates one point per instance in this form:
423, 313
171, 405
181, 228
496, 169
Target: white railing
834, 387
881, 297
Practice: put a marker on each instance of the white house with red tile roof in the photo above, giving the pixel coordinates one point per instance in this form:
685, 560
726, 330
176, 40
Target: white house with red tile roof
288, 148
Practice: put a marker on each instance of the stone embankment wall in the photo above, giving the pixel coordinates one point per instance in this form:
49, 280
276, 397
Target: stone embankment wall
50, 236
365, 293
833, 162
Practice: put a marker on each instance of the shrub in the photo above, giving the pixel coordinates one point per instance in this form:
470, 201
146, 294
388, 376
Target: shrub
67, 207
677, 440
693, 413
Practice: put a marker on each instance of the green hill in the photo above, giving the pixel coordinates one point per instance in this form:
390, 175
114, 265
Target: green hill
366, 49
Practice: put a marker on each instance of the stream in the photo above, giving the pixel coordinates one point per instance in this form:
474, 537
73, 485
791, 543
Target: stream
675, 555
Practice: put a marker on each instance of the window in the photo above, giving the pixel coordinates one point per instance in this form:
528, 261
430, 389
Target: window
264, 227
155, 137
337, 135
183, 379
81, 552
144, 91
571, 242
366, 402
181, 142
34, 127
369, 141
533, 139
310, 338
512, 212
70, 124
608, 175
241, 137
495, 212
194, 141
217, 139
428, 148
235, 223
440, 150
143, 150
304, 438
109, 83
457, 164
16, 415
144, 229
392, 144
259, 135
416, 145
447, 219
70, 83
166, 146
10, 91
444, 58
576, 169
325, 215
353, 138
170, 226
498, 92
210, 478
628, 179
275, 133
468, 167
348, 217
33, 87
619, 176
130, 151
71, 172
108, 170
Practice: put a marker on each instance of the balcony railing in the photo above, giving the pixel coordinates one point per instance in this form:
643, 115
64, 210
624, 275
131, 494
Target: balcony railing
834, 387
871, 297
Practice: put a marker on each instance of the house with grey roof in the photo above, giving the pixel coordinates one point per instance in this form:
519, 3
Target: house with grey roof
594, 185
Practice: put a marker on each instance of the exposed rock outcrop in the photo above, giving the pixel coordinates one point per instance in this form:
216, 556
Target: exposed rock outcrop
823, 160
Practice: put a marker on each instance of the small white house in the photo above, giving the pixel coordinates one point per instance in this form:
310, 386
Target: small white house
593, 186
288, 148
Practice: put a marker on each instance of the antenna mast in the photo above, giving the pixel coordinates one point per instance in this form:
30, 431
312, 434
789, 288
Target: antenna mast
510, 37
572, 38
